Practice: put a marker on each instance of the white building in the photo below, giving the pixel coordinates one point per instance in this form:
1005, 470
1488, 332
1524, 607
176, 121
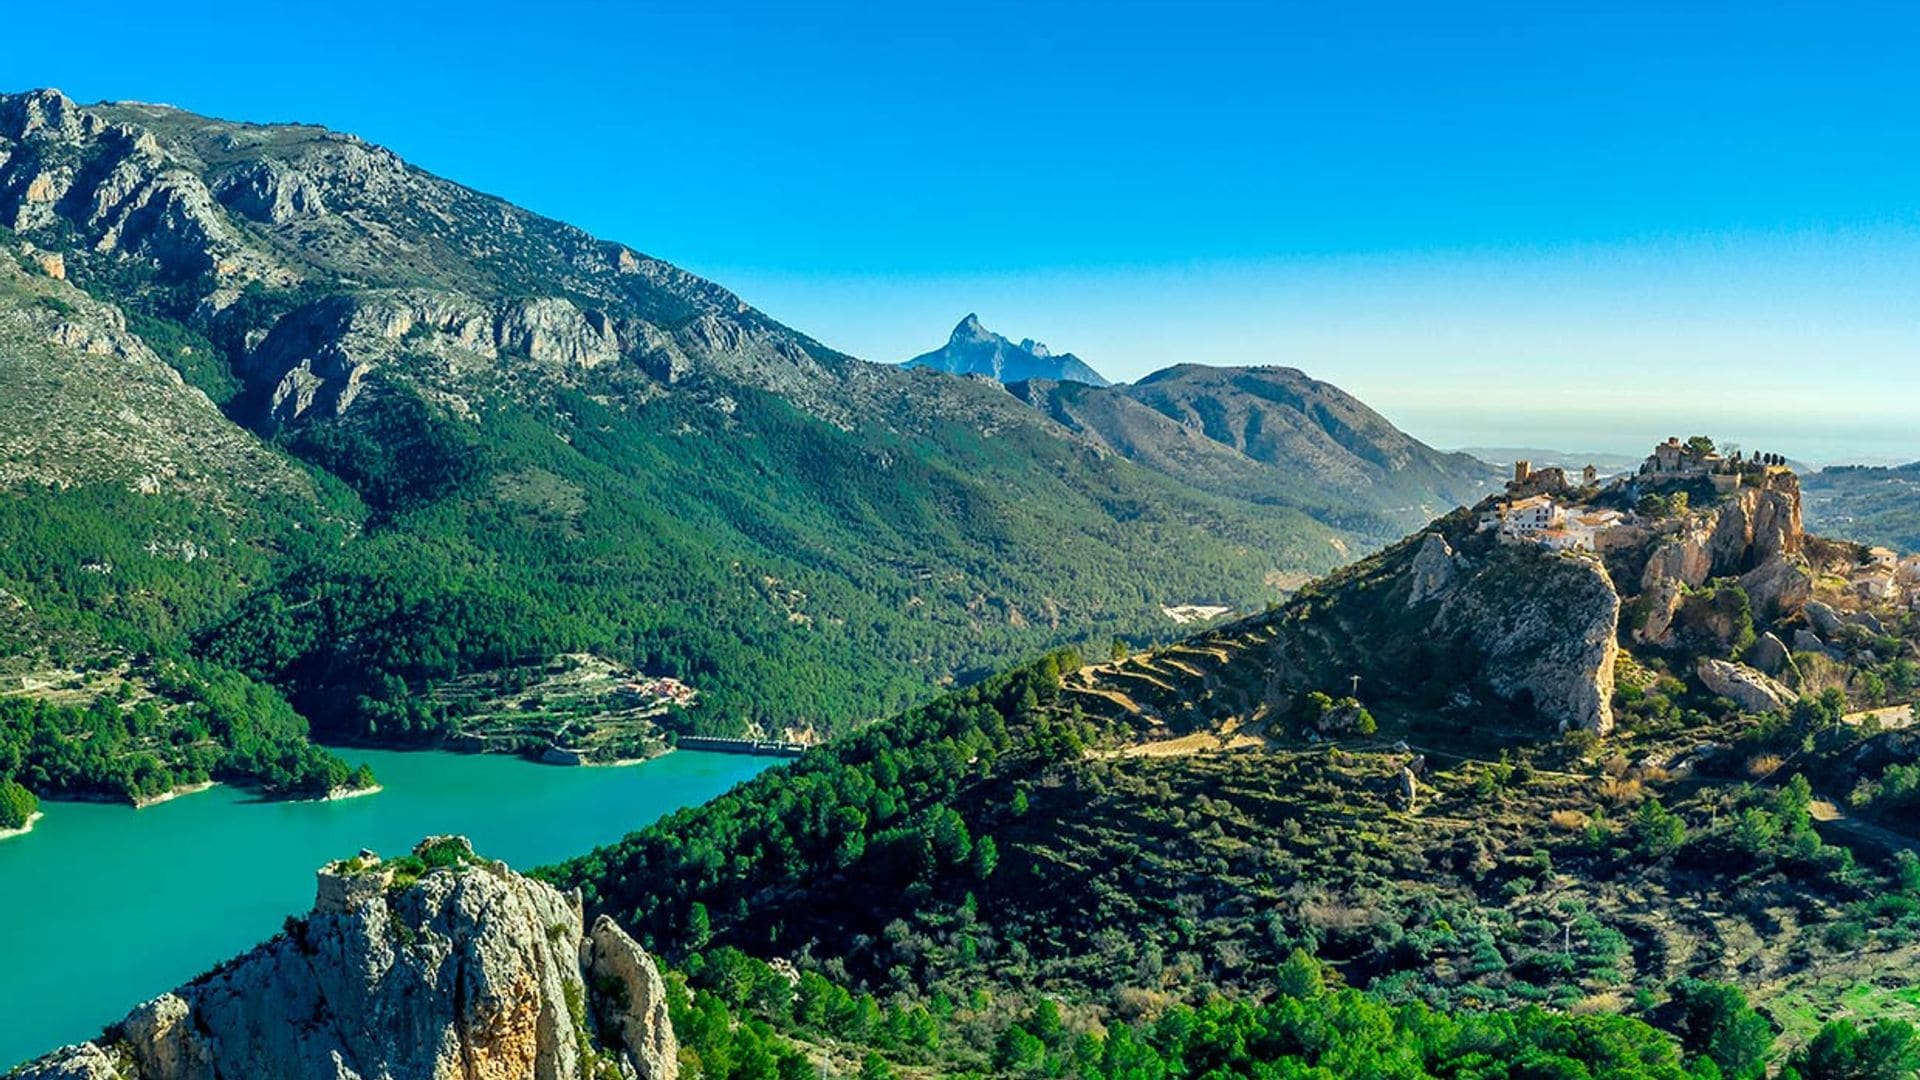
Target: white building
1524, 517
1538, 518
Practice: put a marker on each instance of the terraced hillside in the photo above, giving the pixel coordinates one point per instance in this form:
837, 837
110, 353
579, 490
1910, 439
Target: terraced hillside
1168, 824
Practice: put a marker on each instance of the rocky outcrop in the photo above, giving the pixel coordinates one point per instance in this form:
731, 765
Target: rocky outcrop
633, 1000
1508, 625
1661, 605
1742, 685
1432, 569
1770, 655
116, 187
1756, 524
1547, 638
1755, 532
1778, 587
1683, 559
83, 1062
470, 972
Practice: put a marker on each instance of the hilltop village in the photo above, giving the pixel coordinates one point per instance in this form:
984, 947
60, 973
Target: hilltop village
1549, 508
1544, 506
1600, 515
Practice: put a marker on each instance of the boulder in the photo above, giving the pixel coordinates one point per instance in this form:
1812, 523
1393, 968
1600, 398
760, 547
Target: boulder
1751, 690
1406, 790
1868, 620
1823, 618
1805, 640
1778, 587
1770, 655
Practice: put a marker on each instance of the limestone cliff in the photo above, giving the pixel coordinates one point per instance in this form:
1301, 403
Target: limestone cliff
1754, 533
1451, 618
471, 972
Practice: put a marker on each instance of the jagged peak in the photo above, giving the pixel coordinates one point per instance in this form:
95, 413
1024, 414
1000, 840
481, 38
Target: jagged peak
44, 109
970, 329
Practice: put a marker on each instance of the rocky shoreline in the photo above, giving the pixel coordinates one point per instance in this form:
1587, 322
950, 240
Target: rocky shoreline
8, 834
175, 793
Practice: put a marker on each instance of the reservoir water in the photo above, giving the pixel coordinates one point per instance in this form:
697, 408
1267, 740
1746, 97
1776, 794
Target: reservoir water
103, 907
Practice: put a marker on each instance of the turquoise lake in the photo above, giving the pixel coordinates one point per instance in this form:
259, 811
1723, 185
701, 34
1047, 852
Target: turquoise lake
103, 907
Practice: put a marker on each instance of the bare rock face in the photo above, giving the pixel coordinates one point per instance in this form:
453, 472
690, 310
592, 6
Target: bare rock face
1755, 532
472, 972
637, 1006
1549, 638
1745, 687
113, 184
1662, 602
1509, 623
1684, 559
1770, 655
1432, 569
1757, 524
1779, 586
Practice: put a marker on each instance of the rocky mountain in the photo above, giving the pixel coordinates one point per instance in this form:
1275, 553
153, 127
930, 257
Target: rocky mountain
494, 439
438, 964
1459, 618
972, 349
1272, 434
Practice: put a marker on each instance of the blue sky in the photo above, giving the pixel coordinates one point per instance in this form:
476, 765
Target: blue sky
1501, 224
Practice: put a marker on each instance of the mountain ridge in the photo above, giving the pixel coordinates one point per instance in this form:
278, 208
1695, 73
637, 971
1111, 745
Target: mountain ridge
972, 349
537, 443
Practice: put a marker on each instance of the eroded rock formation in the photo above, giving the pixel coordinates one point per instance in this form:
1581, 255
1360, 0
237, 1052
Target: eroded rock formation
472, 972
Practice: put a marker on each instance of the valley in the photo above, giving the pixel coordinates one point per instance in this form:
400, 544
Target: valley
438, 641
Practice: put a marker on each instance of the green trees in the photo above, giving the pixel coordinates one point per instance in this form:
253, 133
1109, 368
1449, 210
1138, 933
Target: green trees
1716, 1022
876, 804
217, 725
986, 857
1345, 716
1656, 831
1883, 1050
1317, 1032
1654, 505
17, 805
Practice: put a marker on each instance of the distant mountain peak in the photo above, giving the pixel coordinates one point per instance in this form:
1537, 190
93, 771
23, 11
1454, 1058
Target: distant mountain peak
970, 329
972, 349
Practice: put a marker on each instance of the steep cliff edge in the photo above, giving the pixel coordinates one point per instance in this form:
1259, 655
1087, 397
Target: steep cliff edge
1450, 618
466, 971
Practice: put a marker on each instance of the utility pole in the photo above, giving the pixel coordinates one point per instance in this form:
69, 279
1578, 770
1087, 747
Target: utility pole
1354, 692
